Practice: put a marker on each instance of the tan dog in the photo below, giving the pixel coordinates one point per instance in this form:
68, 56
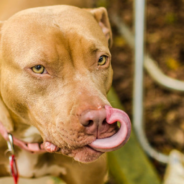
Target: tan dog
55, 72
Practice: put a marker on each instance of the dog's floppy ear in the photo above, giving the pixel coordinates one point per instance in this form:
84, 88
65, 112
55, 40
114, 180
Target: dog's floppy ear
5, 118
100, 14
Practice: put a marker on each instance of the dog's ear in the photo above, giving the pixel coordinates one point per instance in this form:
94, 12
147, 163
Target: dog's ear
5, 118
100, 14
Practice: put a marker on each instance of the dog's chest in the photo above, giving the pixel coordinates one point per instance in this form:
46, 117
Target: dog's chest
35, 165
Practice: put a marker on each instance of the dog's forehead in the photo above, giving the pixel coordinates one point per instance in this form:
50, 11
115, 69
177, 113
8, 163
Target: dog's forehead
39, 30
63, 17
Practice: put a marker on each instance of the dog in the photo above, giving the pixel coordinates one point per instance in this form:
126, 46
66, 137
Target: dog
55, 73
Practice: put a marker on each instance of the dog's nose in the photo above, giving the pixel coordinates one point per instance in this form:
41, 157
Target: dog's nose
93, 119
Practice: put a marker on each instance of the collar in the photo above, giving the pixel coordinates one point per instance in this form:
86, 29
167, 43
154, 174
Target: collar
30, 147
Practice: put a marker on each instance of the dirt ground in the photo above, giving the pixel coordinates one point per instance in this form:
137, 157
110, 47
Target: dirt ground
164, 117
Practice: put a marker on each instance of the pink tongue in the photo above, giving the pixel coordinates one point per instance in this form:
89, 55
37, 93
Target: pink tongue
120, 138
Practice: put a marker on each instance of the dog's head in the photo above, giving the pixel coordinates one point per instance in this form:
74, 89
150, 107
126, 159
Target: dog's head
55, 72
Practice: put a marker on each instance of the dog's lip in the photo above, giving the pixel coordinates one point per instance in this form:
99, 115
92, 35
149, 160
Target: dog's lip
86, 154
88, 146
53, 148
50, 147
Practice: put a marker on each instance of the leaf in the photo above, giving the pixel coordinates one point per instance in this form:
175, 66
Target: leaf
119, 41
172, 64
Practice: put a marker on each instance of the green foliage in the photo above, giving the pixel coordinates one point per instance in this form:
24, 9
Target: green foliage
102, 3
170, 18
129, 164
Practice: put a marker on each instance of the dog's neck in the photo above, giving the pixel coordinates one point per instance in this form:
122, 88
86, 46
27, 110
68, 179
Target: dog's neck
24, 131
24, 136
17, 126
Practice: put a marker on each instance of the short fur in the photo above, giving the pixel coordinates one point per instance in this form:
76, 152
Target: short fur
68, 41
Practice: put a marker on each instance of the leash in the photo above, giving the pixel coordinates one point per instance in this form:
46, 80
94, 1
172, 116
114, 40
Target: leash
12, 160
11, 141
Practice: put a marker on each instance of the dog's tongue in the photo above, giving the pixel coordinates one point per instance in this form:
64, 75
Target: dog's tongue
120, 138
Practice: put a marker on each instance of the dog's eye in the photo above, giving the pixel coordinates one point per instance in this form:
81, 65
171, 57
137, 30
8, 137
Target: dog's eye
102, 60
39, 69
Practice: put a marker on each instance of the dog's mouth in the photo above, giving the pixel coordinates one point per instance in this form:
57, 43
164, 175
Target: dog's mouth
91, 151
118, 139
113, 142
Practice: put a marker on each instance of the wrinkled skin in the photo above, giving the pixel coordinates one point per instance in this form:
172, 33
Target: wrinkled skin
68, 42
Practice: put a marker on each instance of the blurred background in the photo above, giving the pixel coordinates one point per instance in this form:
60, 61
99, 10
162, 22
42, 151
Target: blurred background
164, 41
